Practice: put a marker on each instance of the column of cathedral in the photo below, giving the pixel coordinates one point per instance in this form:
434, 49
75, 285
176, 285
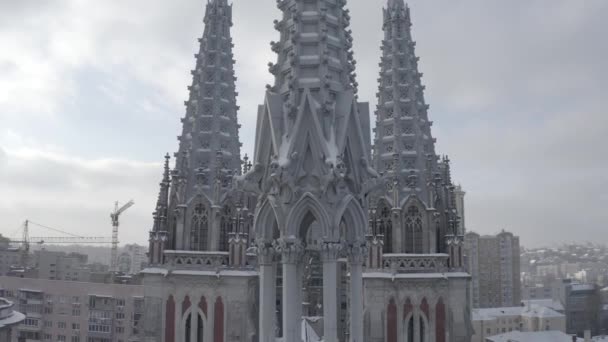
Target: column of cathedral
312, 162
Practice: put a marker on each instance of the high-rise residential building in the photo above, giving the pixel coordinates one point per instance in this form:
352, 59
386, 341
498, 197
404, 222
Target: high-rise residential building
61, 266
313, 225
494, 263
59, 310
132, 259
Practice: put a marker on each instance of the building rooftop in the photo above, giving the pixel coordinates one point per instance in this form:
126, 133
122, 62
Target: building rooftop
533, 310
583, 287
539, 336
547, 303
493, 313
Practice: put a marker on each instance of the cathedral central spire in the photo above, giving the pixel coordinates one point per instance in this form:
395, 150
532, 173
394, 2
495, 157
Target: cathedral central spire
314, 52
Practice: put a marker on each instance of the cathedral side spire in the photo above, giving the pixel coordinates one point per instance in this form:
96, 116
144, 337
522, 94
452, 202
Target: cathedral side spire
209, 150
210, 126
402, 124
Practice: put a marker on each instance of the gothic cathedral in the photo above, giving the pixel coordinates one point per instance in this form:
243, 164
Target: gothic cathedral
325, 234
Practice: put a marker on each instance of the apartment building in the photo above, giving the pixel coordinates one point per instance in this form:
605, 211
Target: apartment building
494, 264
59, 310
62, 266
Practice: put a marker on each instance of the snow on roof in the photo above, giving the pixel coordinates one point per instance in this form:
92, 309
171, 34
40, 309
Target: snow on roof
527, 311
389, 275
308, 333
30, 290
493, 313
582, 287
538, 336
548, 303
541, 312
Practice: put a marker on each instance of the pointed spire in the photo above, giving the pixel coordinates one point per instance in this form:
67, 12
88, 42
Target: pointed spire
402, 124
315, 50
162, 203
210, 126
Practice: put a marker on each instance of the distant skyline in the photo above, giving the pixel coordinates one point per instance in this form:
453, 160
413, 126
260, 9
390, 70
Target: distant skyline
91, 94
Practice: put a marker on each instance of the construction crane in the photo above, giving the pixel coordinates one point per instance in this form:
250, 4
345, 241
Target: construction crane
115, 216
26, 240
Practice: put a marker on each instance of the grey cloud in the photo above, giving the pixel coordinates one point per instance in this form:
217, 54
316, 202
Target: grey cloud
77, 195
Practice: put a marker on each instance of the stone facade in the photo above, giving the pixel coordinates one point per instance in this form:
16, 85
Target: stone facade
317, 224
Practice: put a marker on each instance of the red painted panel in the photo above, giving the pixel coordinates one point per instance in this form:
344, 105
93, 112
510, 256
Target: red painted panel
391, 322
218, 326
424, 307
440, 321
170, 320
186, 305
408, 308
203, 305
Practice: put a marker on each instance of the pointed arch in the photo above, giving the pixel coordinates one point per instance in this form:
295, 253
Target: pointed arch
408, 308
186, 304
200, 220
415, 227
424, 307
351, 213
306, 206
267, 221
202, 305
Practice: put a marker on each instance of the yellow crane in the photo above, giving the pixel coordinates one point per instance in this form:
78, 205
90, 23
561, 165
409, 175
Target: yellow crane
115, 223
26, 240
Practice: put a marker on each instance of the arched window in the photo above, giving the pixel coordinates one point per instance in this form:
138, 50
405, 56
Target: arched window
200, 330
386, 228
225, 227
422, 330
410, 330
188, 330
413, 230
199, 230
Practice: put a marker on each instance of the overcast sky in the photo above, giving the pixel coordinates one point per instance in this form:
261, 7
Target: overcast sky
91, 93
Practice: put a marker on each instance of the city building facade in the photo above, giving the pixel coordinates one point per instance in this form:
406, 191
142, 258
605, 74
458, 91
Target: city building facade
582, 303
61, 266
365, 237
494, 264
59, 310
529, 318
